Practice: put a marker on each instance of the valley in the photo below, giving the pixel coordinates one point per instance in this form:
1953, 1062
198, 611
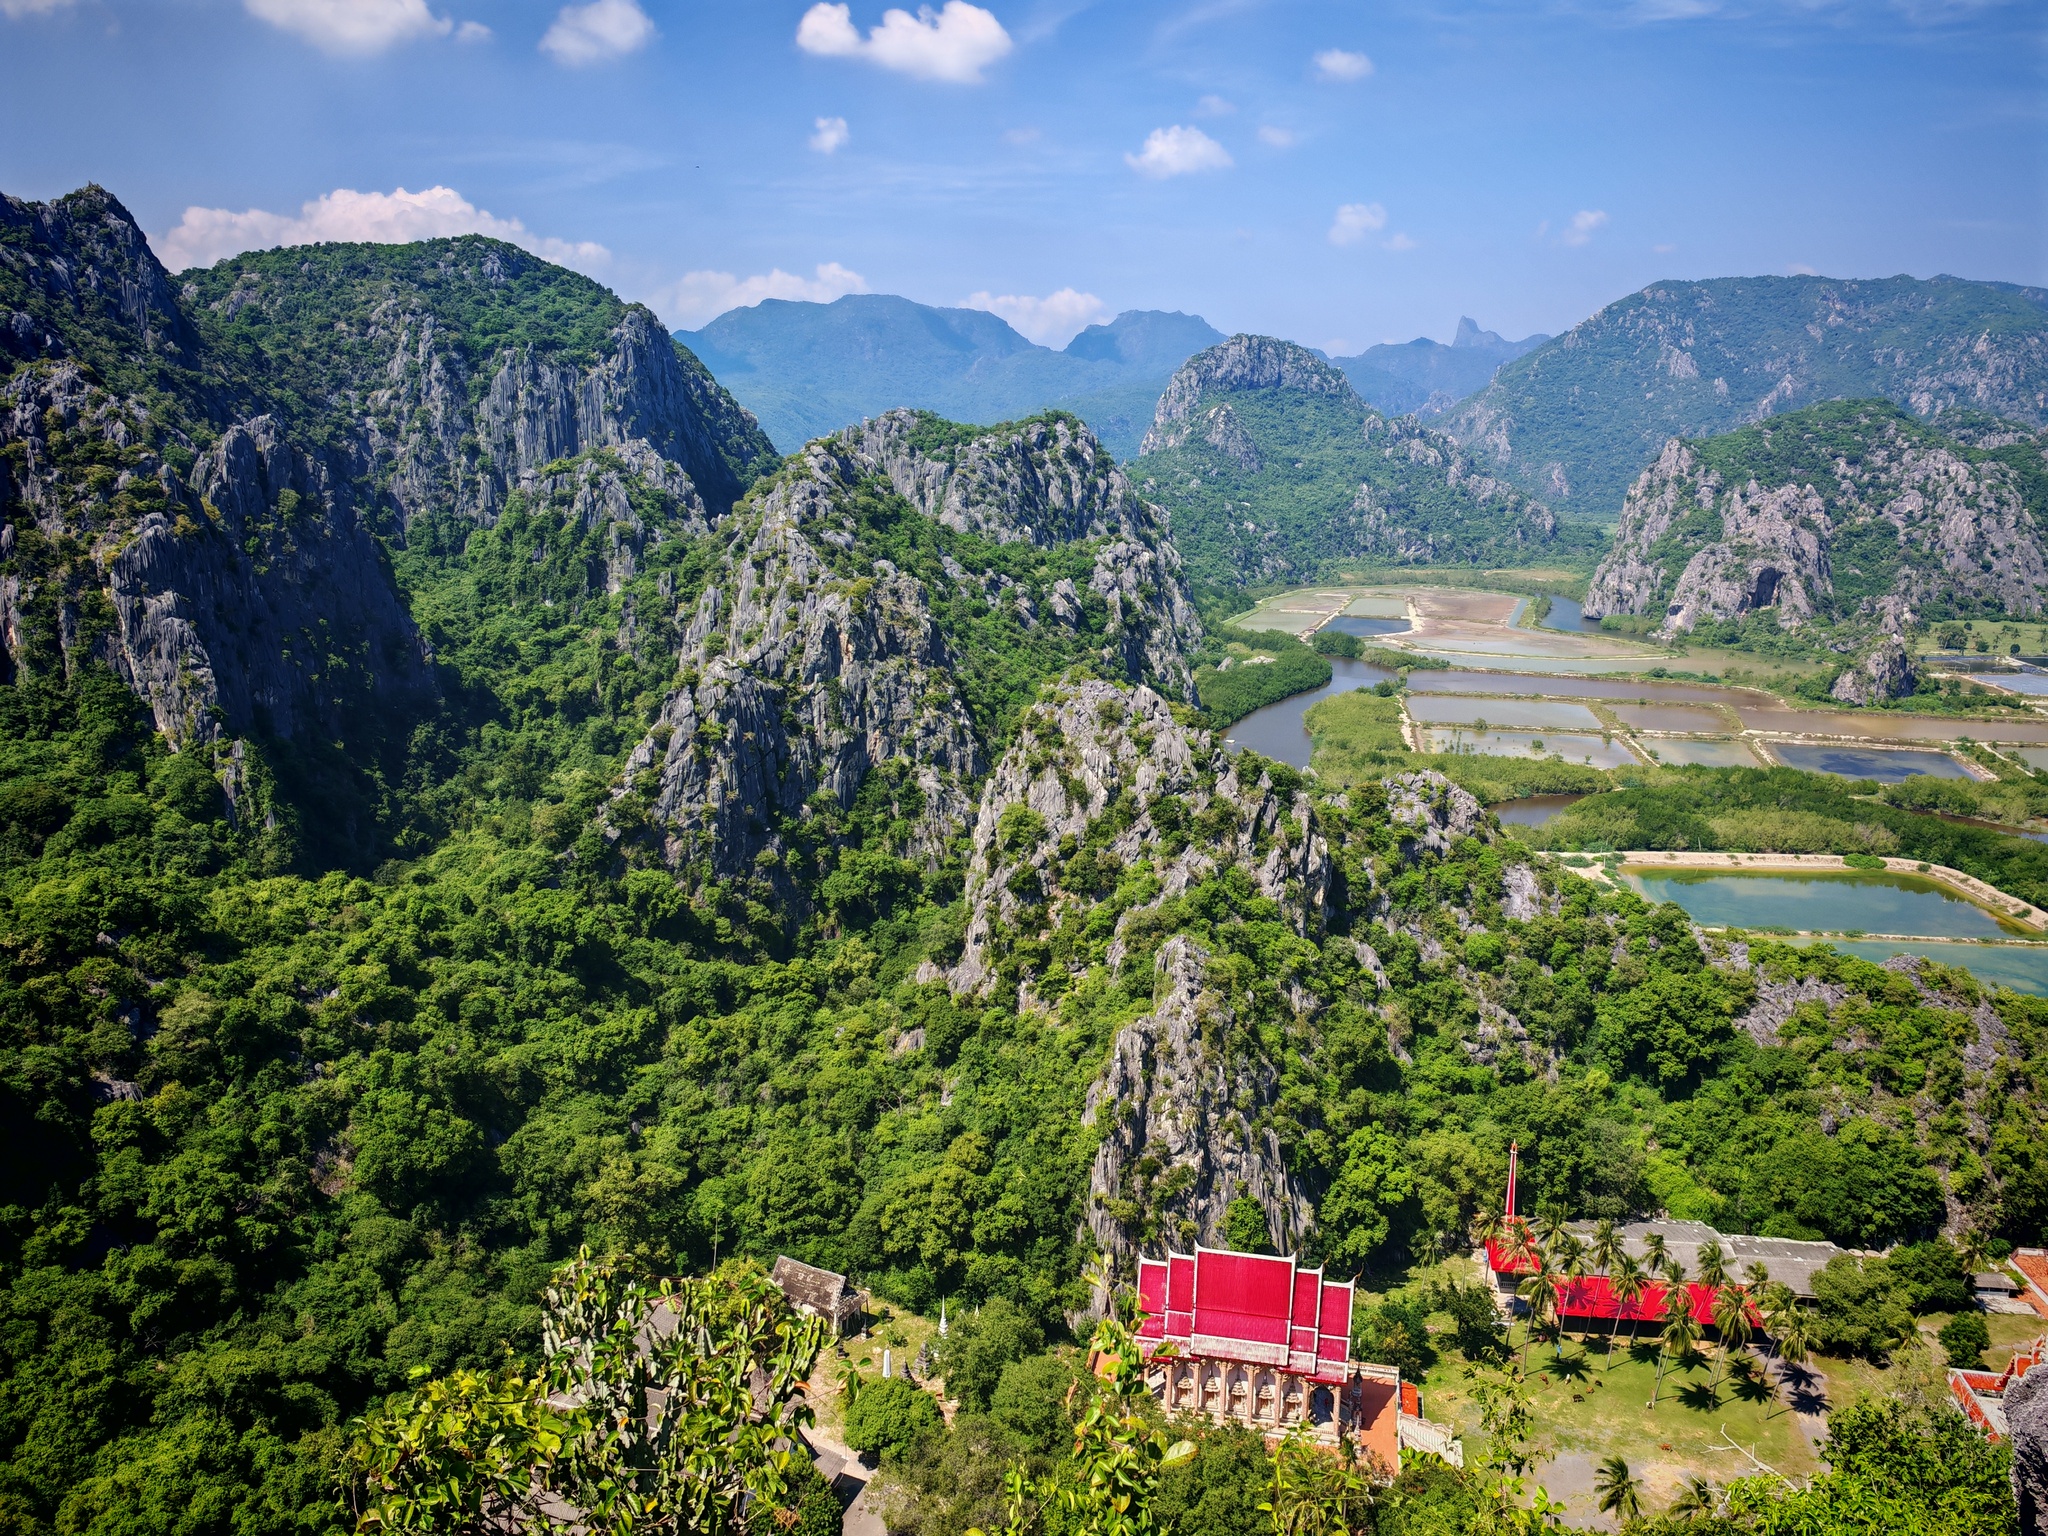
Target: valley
486, 835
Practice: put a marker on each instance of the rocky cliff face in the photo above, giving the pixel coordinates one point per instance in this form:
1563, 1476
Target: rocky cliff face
1275, 469
843, 631
1101, 783
1841, 513
240, 596
1576, 420
191, 473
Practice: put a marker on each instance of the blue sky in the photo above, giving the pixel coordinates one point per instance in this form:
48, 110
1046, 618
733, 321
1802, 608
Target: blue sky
1337, 174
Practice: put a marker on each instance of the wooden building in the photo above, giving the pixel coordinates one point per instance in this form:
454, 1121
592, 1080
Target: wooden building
818, 1293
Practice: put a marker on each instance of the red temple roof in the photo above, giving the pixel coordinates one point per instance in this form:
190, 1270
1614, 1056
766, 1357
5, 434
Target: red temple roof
1256, 1308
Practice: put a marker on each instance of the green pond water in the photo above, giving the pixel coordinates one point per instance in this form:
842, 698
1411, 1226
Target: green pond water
1572, 748
1679, 752
2023, 967
1844, 901
1538, 714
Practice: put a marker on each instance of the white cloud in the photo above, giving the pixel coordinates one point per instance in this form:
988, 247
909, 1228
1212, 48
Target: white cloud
472, 32
831, 133
597, 32
1339, 64
1355, 221
1584, 222
954, 44
14, 10
352, 26
1663, 250
205, 235
1214, 106
1801, 269
1279, 138
699, 296
1400, 240
1178, 151
1051, 321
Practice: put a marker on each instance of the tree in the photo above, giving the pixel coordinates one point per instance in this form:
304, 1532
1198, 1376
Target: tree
1244, 1225
981, 1345
1679, 1334
1859, 1309
1539, 1294
1964, 1338
1731, 1318
1620, 1490
683, 1402
891, 1418
1628, 1283
1357, 1215
1312, 1493
1696, 1499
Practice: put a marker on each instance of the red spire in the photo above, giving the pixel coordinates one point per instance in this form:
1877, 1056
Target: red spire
1514, 1156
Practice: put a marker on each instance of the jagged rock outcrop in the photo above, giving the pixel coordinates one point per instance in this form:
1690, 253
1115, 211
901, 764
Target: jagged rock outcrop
811, 659
1171, 1098
1241, 363
1101, 777
1899, 518
1883, 672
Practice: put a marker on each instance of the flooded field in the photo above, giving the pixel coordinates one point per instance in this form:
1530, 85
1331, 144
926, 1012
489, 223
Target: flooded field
1884, 725
1692, 719
2033, 683
1365, 628
1829, 901
1572, 748
1538, 714
1576, 687
1534, 810
1685, 752
1886, 767
1568, 617
1277, 732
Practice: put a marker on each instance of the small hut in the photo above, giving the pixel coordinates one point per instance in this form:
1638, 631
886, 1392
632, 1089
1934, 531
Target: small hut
818, 1293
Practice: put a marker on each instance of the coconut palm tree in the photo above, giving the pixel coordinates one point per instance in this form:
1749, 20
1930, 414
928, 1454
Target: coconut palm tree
1680, 1333
1794, 1337
1550, 1226
1731, 1317
1606, 1246
1539, 1291
1756, 1275
1488, 1226
1654, 1251
1620, 1490
1972, 1248
1627, 1283
1713, 1265
1697, 1499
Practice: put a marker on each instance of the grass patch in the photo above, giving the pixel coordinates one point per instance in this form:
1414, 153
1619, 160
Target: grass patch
1358, 738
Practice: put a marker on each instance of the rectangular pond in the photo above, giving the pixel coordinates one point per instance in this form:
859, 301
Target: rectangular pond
1692, 719
1533, 810
1830, 901
1365, 628
1684, 752
2023, 967
2033, 683
1458, 680
1886, 767
1536, 713
1572, 748
1886, 724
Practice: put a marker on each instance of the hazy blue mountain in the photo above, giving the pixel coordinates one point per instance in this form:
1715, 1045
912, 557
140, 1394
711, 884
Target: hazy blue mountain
1577, 420
805, 369
1425, 377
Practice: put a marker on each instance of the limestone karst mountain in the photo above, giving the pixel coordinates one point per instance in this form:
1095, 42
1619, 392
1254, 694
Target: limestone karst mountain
1275, 469
1576, 420
1426, 378
894, 597
1853, 513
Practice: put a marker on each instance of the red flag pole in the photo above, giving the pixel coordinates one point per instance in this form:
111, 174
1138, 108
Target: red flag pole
1514, 1156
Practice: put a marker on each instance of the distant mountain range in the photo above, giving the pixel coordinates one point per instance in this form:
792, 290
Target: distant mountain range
1424, 377
1576, 420
806, 369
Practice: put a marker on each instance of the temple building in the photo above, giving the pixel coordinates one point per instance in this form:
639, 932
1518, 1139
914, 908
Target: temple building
1258, 1340
1789, 1260
1981, 1394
